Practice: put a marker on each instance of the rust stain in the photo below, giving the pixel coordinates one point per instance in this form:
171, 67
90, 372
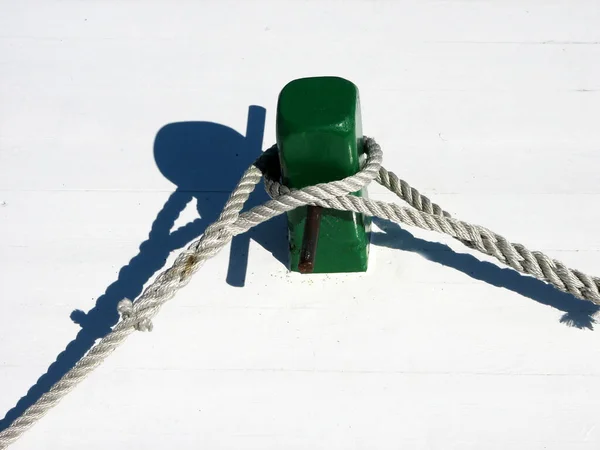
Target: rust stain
189, 265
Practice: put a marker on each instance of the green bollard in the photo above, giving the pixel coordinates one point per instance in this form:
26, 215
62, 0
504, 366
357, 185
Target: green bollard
319, 136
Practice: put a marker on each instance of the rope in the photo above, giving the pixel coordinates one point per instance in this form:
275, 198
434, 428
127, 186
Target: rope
421, 213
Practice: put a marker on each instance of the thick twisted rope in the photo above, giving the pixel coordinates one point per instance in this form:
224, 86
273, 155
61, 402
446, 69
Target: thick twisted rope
421, 213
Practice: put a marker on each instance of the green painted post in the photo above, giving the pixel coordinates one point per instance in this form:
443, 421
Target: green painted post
319, 136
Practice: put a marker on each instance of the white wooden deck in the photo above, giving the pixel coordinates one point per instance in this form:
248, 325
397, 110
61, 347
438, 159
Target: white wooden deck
490, 107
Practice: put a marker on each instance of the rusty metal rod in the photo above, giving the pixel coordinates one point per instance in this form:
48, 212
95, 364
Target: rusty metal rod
310, 239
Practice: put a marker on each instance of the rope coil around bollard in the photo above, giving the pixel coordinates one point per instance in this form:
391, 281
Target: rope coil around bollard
421, 213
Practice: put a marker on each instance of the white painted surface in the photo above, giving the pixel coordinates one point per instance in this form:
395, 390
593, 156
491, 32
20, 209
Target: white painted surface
490, 107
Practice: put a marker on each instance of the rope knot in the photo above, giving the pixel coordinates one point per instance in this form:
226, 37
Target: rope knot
313, 195
127, 310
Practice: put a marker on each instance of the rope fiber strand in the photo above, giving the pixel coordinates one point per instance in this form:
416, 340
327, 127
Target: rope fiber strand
421, 213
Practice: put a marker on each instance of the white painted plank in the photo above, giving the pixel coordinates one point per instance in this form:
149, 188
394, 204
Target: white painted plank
489, 107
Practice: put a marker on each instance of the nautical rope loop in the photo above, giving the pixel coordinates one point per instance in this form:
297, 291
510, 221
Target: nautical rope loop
421, 213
